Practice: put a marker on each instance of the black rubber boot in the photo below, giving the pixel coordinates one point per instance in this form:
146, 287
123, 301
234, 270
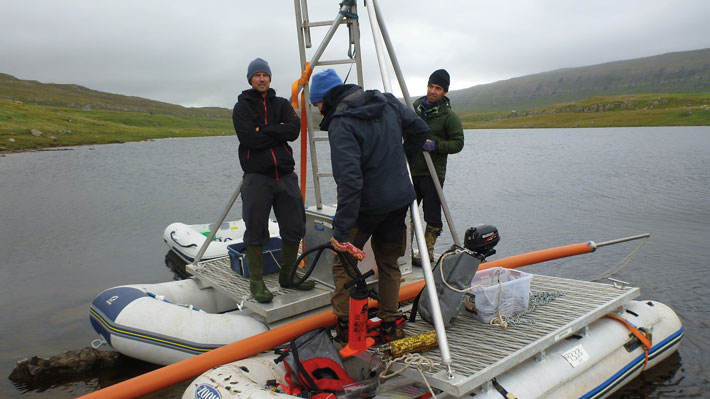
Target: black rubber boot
342, 330
256, 274
289, 253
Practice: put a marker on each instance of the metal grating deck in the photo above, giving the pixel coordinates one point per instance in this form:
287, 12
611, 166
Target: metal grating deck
286, 303
480, 352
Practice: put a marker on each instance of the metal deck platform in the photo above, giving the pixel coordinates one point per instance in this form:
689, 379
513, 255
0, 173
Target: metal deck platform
286, 303
480, 351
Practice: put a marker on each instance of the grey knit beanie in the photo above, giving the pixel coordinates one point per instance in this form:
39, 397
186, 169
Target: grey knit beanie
258, 65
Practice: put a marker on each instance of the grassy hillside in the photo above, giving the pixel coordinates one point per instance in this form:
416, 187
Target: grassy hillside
62, 126
37, 115
679, 72
628, 110
75, 96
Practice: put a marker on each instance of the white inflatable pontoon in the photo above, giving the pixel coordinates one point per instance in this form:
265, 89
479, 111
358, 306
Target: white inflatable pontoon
186, 239
167, 322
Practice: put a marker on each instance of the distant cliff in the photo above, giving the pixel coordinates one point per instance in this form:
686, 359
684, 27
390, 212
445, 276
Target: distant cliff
679, 72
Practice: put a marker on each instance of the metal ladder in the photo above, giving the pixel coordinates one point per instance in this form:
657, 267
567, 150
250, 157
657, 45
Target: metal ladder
348, 15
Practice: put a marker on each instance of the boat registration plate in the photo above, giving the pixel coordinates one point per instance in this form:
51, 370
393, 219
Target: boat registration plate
576, 356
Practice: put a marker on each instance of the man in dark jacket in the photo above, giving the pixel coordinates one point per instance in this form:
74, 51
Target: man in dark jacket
365, 130
265, 124
445, 137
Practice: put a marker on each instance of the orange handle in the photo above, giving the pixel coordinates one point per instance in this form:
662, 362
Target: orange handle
354, 251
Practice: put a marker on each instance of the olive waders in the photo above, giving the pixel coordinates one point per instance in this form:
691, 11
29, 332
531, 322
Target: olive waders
289, 253
430, 235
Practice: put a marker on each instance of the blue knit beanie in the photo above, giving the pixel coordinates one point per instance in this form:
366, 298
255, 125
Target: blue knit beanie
322, 82
258, 65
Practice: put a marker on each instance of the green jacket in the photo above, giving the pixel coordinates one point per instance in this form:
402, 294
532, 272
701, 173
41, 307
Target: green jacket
447, 133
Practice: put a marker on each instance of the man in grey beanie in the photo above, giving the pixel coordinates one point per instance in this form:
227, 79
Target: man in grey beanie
264, 124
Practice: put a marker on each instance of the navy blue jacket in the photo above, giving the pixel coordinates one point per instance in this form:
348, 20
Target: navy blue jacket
365, 130
267, 151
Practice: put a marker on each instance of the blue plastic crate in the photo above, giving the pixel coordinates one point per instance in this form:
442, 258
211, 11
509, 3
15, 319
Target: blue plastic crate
271, 257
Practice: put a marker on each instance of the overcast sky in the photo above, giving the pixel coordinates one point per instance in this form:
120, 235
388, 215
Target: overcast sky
195, 53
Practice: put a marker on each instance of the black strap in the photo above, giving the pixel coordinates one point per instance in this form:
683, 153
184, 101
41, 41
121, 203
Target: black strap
415, 304
300, 370
502, 390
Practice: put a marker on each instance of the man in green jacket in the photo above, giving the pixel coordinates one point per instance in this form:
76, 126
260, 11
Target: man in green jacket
446, 137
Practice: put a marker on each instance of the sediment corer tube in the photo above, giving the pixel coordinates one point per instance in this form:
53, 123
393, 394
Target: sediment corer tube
416, 343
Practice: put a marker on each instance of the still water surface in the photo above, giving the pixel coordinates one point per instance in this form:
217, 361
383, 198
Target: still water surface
76, 222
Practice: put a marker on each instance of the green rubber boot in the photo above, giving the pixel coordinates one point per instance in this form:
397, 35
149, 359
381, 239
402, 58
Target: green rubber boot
256, 274
430, 236
289, 253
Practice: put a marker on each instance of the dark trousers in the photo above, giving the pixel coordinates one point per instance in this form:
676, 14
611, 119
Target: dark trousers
426, 193
388, 244
259, 194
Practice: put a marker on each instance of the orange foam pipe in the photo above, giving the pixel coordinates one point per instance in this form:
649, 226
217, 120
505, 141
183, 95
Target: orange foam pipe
192, 367
543, 255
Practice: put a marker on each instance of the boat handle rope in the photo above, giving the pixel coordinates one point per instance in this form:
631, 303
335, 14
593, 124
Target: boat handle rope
172, 237
98, 342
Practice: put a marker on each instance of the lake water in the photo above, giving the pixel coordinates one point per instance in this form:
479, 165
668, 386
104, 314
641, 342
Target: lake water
79, 221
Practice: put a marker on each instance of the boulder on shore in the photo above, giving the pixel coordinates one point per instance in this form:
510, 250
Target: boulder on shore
67, 364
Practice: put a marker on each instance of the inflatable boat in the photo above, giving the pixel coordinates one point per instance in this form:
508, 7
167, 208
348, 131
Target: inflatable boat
186, 239
167, 322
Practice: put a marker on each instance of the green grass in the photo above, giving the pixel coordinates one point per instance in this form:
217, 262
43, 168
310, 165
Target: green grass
62, 126
622, 111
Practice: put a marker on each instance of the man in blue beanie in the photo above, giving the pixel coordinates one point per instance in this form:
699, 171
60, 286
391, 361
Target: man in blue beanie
445, 137
264, 124
369, 163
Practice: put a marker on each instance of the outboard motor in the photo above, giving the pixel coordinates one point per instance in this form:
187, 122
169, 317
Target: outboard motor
481, 239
